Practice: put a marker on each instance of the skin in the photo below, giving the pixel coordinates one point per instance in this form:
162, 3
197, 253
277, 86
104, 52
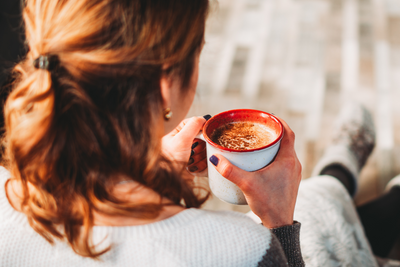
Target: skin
175, 144
179, 131
270, 192
172, 146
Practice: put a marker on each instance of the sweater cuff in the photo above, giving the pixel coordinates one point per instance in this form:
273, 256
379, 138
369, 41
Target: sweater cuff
289, 237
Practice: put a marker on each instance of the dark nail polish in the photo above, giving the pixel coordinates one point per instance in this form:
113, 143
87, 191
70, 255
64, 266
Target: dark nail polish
192, 153
191, 160
193, 169
207, 117
214, 160
195, 144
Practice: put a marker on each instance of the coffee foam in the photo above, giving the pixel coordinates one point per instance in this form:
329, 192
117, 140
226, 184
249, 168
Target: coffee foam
243, 135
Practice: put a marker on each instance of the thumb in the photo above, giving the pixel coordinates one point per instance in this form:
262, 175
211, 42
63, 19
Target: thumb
190, 129
229, 171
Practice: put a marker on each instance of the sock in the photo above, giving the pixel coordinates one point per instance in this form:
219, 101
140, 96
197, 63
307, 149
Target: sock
342, 175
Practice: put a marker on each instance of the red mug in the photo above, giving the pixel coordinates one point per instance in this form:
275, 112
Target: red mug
248, 160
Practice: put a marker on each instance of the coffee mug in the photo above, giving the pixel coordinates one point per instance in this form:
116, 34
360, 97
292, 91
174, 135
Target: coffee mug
248, 160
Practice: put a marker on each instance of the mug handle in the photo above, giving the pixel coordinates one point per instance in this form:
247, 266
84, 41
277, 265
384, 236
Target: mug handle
200, 136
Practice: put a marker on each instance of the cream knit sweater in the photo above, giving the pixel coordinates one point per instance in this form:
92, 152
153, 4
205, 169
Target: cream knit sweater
191, 238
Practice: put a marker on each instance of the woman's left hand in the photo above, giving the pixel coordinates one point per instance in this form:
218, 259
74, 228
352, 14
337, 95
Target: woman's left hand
272, 191
182, 146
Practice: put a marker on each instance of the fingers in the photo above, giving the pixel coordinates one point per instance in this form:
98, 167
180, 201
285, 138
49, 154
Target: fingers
198, 151
198, 166
188, 129
198, 161
288, 134
287, 142
230, 171
179, 127
286, 157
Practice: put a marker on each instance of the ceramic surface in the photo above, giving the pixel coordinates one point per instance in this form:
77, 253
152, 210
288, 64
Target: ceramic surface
252, 160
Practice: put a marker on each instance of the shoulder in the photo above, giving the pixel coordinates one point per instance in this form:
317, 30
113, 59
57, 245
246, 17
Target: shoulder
230, 238
4, 175
8, 212
225, 217
231, 219
232, 228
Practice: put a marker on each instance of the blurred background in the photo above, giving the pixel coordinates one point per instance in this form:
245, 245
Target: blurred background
11, 36
301, 60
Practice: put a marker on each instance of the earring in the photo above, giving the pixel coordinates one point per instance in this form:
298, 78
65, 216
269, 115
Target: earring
167, 114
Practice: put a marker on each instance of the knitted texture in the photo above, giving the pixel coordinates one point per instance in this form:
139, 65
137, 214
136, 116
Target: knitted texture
352, 142
289, 238
191, 238
275, 255
331, 232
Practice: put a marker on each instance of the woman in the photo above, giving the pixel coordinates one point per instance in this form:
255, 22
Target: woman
96, 157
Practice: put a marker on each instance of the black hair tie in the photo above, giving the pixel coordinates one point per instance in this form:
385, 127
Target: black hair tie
46, 62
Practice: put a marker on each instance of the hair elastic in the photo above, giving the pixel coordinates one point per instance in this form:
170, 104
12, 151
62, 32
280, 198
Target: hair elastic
46, 62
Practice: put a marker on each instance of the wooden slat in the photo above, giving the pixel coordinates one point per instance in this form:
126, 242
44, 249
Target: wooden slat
288, 64
350, 49
383, 90
224, 61
314, 54
254, 68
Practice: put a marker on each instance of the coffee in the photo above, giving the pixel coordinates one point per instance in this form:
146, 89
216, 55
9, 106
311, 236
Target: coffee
243, 135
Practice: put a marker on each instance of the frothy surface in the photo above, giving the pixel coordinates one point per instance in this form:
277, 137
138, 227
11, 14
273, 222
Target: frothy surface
243, 135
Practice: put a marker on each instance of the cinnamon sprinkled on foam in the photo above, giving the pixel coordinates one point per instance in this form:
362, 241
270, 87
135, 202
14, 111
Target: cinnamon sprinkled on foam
243, 135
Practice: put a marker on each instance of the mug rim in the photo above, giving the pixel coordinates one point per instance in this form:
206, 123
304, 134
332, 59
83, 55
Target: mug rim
278, 139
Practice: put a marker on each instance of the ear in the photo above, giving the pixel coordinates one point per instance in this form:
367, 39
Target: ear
166, 88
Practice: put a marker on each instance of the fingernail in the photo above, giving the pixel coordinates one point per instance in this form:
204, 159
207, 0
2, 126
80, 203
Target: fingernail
214, 160
195, 144
191, 160
207, 117
193, 169
192, 153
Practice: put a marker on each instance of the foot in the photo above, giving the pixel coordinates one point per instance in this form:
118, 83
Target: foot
352, 143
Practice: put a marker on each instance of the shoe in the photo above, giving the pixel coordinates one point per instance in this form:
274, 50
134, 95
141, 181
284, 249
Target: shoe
352, 143
395, 181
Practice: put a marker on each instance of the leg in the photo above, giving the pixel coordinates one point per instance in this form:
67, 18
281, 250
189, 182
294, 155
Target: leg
331, 232
353, 142
380, 217
381, 220
342, 175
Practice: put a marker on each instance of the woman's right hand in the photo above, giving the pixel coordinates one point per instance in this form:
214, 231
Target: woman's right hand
181, 146
272, 191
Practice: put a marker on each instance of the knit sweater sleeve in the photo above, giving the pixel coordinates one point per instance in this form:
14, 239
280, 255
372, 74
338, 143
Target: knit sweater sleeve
284, 249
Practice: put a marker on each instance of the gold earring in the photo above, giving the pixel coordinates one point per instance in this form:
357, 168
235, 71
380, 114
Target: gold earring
167, 114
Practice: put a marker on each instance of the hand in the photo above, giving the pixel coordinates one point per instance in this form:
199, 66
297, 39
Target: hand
272, 191
198, 159
181, 146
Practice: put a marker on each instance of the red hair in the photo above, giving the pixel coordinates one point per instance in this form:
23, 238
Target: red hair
73, 132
